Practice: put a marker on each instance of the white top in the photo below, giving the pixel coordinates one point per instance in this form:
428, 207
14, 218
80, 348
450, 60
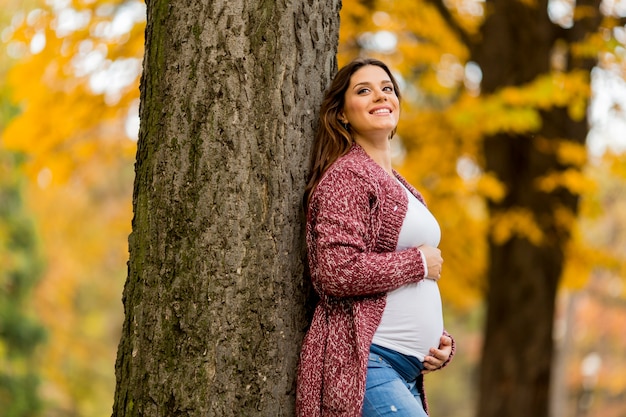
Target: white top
412, 322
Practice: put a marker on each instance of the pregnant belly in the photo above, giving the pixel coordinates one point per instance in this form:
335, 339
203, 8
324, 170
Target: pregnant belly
412, 322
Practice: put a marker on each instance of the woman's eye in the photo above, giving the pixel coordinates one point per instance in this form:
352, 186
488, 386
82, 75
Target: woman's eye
388, 88
363, 90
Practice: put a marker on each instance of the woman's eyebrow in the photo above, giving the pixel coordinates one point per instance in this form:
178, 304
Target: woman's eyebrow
364, 83
367, 83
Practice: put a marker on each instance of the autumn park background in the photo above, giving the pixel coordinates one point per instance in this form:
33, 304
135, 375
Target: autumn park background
69, 110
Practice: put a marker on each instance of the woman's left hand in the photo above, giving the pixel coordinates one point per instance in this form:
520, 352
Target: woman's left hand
439, 356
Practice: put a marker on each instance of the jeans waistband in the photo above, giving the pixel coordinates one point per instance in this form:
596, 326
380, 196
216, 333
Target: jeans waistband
409, 367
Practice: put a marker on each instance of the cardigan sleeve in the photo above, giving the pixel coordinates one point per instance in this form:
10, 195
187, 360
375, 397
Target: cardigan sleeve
341, 233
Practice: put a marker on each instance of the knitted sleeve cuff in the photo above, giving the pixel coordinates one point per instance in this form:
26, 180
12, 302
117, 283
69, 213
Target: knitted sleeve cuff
425, 264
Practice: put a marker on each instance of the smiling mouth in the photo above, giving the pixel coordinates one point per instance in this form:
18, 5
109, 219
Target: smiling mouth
381, 111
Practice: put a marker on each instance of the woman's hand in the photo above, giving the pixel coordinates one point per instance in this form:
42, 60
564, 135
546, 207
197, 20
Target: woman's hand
438, 357
434, 261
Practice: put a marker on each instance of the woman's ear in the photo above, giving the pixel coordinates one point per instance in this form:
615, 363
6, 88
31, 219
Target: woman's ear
342, 118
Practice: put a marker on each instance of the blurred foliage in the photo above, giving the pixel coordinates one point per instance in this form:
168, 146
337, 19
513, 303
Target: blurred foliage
591, 315
71, 96
21, 333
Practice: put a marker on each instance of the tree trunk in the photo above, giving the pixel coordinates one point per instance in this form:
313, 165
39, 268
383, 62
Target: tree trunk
214, 300
518, 39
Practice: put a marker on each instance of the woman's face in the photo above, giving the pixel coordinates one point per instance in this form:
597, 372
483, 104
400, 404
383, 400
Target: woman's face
371, 106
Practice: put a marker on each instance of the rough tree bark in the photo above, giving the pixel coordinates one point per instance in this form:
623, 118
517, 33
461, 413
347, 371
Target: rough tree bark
518, 40
214, 299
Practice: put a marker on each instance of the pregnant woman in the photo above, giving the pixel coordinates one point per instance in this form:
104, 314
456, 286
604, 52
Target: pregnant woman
373, 260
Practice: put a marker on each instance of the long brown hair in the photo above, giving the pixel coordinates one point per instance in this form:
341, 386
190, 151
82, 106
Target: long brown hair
333, 139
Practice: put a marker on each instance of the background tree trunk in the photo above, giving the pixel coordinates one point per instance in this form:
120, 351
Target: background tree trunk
517, 45
214, 300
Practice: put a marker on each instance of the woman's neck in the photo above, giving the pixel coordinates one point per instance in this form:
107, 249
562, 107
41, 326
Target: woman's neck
379, 151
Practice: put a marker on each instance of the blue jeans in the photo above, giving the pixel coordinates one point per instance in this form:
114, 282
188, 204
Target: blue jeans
388, 394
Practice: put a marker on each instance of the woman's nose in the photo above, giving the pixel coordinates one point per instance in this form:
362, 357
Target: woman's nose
380, 96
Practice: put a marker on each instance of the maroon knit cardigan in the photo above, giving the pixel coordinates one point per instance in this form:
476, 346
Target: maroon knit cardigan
353, 222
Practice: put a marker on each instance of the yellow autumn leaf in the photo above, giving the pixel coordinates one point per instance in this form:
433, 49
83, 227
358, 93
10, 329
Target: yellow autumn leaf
571, 179
515, 222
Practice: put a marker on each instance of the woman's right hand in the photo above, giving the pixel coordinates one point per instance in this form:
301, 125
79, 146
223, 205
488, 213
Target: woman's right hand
434, 261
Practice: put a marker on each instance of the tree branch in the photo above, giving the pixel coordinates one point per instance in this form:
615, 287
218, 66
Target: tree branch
452, 23
620, 21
